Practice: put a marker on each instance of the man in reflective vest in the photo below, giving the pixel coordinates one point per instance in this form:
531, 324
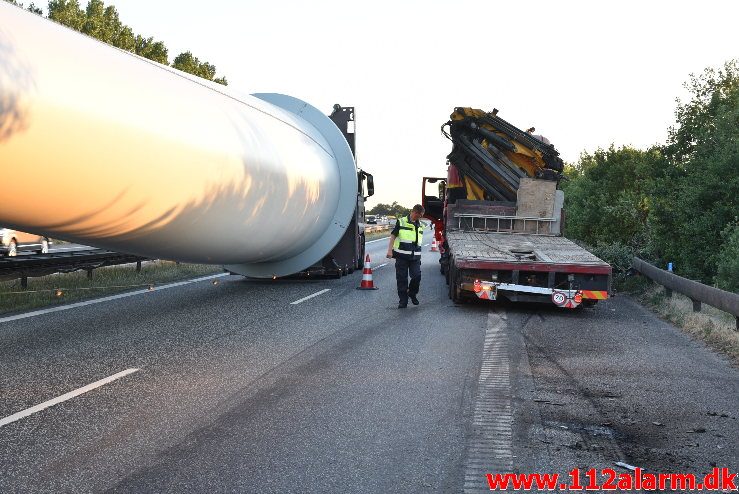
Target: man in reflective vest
405, 244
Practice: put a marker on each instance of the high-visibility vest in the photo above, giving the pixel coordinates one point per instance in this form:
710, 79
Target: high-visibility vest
408, 243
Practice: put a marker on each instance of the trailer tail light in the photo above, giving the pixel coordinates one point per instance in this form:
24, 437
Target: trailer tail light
578, 298
477, 286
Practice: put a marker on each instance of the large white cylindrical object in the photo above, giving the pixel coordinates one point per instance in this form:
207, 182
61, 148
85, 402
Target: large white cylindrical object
104, 148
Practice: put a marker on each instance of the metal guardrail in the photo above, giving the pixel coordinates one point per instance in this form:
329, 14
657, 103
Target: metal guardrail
697, 292
25, 267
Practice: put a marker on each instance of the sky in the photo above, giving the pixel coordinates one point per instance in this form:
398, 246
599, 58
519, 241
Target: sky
586, 74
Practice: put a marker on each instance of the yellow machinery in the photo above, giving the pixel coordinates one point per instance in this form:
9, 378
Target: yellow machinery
492, 155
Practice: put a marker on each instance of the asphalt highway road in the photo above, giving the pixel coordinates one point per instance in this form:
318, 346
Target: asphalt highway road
314, 386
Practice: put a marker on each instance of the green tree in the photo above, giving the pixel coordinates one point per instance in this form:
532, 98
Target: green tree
31, 8
68, 13
153, 50
104, 23
698, 196
727, 276
189, 63
380, 209
393, 209
607, 196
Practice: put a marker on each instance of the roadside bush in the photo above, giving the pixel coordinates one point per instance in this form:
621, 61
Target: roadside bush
727, 276
619, 256
636, 284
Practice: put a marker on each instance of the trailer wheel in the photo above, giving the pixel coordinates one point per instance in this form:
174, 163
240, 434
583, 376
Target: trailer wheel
454, 291
450, 280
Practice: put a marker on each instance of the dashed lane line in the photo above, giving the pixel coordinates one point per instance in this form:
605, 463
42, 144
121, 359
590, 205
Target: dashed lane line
67, 396
376, 240
310, 296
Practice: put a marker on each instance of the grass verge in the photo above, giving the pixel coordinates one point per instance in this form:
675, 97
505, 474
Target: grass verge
376, 235
715, 327
73, 287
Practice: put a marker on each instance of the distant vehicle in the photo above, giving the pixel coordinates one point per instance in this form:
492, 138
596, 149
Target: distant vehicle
13, 241
370, 219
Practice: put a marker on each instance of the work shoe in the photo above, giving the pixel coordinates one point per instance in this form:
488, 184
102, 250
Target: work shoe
414, 299
402, 305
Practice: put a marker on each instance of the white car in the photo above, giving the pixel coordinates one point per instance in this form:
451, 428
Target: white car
13, 241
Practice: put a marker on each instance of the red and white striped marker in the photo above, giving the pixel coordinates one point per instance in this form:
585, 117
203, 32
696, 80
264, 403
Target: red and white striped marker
434, 245
367, 283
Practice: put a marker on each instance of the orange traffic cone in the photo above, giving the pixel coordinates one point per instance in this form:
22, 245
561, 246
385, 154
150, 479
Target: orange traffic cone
367, 283
434, 245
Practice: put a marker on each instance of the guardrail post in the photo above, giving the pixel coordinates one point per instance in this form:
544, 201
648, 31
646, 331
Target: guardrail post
89, 274
138, 266
668, 292
696, 305
24, 282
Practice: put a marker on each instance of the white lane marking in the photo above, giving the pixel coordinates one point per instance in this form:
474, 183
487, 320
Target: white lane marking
310, 296
376, 240
489, 450
381, 265
426, 245
67, 396
39, 312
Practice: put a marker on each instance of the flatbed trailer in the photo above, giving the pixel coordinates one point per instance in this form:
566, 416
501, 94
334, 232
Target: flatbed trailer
490, 251
499, 218
523, 268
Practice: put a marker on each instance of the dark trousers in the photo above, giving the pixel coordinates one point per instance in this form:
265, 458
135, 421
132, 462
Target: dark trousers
403, 268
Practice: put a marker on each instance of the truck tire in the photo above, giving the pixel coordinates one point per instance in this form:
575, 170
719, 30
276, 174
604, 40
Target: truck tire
450, 279
454, 291
362, 250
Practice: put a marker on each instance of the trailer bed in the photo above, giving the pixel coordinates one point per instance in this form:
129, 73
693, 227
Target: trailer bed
519, 248
523, 267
